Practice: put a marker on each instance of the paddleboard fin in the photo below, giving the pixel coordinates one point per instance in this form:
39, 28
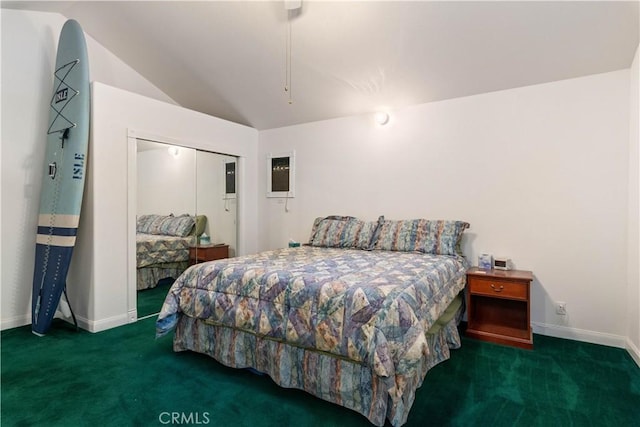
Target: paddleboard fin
68, 306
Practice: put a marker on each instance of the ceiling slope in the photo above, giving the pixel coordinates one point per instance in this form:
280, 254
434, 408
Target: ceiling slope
227, 59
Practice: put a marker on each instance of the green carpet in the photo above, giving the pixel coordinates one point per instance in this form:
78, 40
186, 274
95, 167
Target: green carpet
149, 301
124, 377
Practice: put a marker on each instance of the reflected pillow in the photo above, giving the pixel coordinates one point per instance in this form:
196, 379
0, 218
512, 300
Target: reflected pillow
179, 226
201, 222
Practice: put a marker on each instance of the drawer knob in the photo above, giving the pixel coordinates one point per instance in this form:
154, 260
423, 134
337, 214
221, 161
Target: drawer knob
497, 289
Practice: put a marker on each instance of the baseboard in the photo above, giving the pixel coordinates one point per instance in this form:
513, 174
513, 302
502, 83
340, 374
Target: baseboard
15, 322
103, 324
83, 322
634, 352
579, 335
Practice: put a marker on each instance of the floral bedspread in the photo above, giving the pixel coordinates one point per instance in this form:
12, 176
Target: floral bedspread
157, 248
371, 307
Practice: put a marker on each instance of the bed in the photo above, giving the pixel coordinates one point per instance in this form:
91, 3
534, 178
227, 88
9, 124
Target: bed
356, 317
162, 246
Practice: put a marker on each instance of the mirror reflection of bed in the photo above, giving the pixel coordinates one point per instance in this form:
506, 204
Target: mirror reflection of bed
185, 214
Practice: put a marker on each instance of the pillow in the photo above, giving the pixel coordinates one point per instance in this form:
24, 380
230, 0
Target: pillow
443, 237
438, 237
144, 223
342, 232
170, 225
318, 220
402, 235
201, 222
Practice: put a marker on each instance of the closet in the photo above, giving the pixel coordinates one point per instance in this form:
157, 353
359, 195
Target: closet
171, 182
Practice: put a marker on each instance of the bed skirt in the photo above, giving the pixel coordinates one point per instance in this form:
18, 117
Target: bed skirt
148, 277
323, 375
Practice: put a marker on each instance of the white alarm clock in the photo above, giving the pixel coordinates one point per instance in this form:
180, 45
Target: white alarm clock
502, 263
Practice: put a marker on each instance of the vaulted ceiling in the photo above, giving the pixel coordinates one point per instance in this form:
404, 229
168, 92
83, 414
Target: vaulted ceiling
228, 59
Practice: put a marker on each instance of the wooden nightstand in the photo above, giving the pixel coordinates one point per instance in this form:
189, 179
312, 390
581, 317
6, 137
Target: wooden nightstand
203, 253
499, 306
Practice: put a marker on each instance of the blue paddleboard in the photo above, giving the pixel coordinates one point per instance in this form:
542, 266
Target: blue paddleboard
64, 175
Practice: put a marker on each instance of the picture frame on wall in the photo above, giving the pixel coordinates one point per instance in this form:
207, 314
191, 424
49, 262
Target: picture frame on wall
281, 174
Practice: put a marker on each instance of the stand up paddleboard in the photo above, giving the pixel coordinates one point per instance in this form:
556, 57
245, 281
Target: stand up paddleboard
63, 181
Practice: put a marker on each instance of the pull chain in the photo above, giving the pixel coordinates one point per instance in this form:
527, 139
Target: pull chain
287, 83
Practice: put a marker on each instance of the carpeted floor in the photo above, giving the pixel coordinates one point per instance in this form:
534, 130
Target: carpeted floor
149, 301
125, 377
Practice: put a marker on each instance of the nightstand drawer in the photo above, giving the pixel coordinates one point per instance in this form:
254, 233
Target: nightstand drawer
204, 253
497, 288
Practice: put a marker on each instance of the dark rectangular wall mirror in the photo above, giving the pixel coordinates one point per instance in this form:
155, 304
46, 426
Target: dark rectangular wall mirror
281, 175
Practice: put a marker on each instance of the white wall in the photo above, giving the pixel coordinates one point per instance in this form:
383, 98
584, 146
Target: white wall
29, 42
633, 342
540, 172
98, 278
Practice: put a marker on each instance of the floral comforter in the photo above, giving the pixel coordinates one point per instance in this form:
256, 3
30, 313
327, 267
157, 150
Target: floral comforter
371, 307
157, 248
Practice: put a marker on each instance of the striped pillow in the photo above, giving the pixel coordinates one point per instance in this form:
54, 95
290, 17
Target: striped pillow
318, 220
342, 232
438, 237
170, 225
145, 222
443, 237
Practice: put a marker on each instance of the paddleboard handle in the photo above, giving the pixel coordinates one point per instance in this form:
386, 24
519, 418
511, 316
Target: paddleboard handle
65, 135
53, 168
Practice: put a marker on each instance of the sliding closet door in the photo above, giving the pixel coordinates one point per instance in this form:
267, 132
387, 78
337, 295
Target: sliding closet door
165, 191
216, 198
176, 180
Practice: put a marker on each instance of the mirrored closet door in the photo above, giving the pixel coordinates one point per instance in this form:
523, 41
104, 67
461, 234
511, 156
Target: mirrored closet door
186, 213
216, 200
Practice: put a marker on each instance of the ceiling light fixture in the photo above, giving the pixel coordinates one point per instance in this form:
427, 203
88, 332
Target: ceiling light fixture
382, 118
173, 151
